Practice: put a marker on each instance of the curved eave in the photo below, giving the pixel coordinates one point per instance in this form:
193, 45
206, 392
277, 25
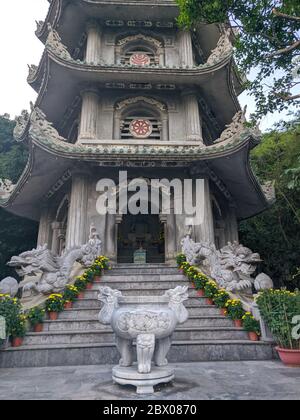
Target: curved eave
69, 17
49, 159
40, 174
62, 80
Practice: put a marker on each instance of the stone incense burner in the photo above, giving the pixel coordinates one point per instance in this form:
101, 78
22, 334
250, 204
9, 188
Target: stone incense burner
150, 321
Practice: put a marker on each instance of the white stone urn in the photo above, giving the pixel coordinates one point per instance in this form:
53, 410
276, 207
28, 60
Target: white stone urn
150, 321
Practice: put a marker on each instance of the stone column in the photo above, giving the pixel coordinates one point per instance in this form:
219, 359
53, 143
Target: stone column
206, 229
77, 218
110, 237
89, 114
232, 225
93, 47
44, 236
165, 128
186, 49
56, 229
193, 123
170, 237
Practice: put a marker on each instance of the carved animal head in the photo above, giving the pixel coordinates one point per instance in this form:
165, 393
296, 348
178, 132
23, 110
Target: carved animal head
176, 297
110, 299
30, 263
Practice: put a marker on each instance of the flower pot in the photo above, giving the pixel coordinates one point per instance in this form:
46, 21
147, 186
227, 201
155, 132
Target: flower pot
17, 341
200, 293
223, 311
68, 305
53, 316
81, 295
89, 286
289, 357
209, 301
38, 328
253, 336
238, 323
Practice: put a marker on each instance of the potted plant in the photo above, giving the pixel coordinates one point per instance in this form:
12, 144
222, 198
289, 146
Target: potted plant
54, 304
18, 330
210, 290
100, 264
200, 281
180, 259
36, 318
279, 309
184, 267
220, 300
89, 275
235, 311
70, 294
10, 309
251, 325
80, 284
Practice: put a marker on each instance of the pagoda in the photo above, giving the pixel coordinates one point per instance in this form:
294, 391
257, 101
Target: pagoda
118, 91
122, 89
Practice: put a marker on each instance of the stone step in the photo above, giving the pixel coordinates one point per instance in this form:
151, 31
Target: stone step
83, 313
107, 336
93, 303
93, 323
136, 291
135, 278
124, 285
99, 353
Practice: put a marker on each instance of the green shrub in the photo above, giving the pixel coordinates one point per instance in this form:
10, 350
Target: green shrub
278, 308
36, 316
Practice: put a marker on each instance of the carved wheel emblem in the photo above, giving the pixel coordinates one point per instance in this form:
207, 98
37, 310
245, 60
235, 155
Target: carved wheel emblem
141, 128
140, 59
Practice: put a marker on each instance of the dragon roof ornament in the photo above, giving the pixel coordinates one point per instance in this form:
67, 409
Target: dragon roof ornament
32, 72
21, 125
237, 127
223, 49
6, 188
55, 45
40, 127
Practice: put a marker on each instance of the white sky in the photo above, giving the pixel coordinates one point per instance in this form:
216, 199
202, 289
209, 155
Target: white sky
19, 47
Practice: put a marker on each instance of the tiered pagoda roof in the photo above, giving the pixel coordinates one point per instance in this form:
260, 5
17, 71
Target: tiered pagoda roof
61, 75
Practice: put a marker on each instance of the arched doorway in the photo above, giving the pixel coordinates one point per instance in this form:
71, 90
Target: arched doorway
141, 232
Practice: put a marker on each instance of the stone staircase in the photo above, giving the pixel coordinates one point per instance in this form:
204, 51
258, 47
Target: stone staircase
77, 338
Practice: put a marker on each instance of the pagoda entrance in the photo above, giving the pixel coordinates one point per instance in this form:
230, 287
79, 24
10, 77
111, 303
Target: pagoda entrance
141, 239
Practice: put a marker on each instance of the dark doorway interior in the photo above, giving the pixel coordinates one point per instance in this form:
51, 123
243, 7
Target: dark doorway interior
141, 231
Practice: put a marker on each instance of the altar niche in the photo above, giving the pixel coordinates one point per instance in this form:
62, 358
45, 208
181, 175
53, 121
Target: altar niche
138, 233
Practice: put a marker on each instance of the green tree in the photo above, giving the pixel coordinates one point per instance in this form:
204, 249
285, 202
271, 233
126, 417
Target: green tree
275, 234
267, 39
16, 234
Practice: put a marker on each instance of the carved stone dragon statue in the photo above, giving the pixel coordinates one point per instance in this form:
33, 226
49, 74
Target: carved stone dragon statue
50, 273
232, 267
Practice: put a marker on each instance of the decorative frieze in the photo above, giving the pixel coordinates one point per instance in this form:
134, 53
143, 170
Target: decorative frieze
58, 185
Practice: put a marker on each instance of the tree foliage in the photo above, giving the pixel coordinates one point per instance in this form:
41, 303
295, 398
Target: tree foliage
16, 234
267, 39
275, 234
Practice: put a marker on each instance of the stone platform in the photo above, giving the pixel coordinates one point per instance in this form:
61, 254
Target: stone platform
194, 381
144, 382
